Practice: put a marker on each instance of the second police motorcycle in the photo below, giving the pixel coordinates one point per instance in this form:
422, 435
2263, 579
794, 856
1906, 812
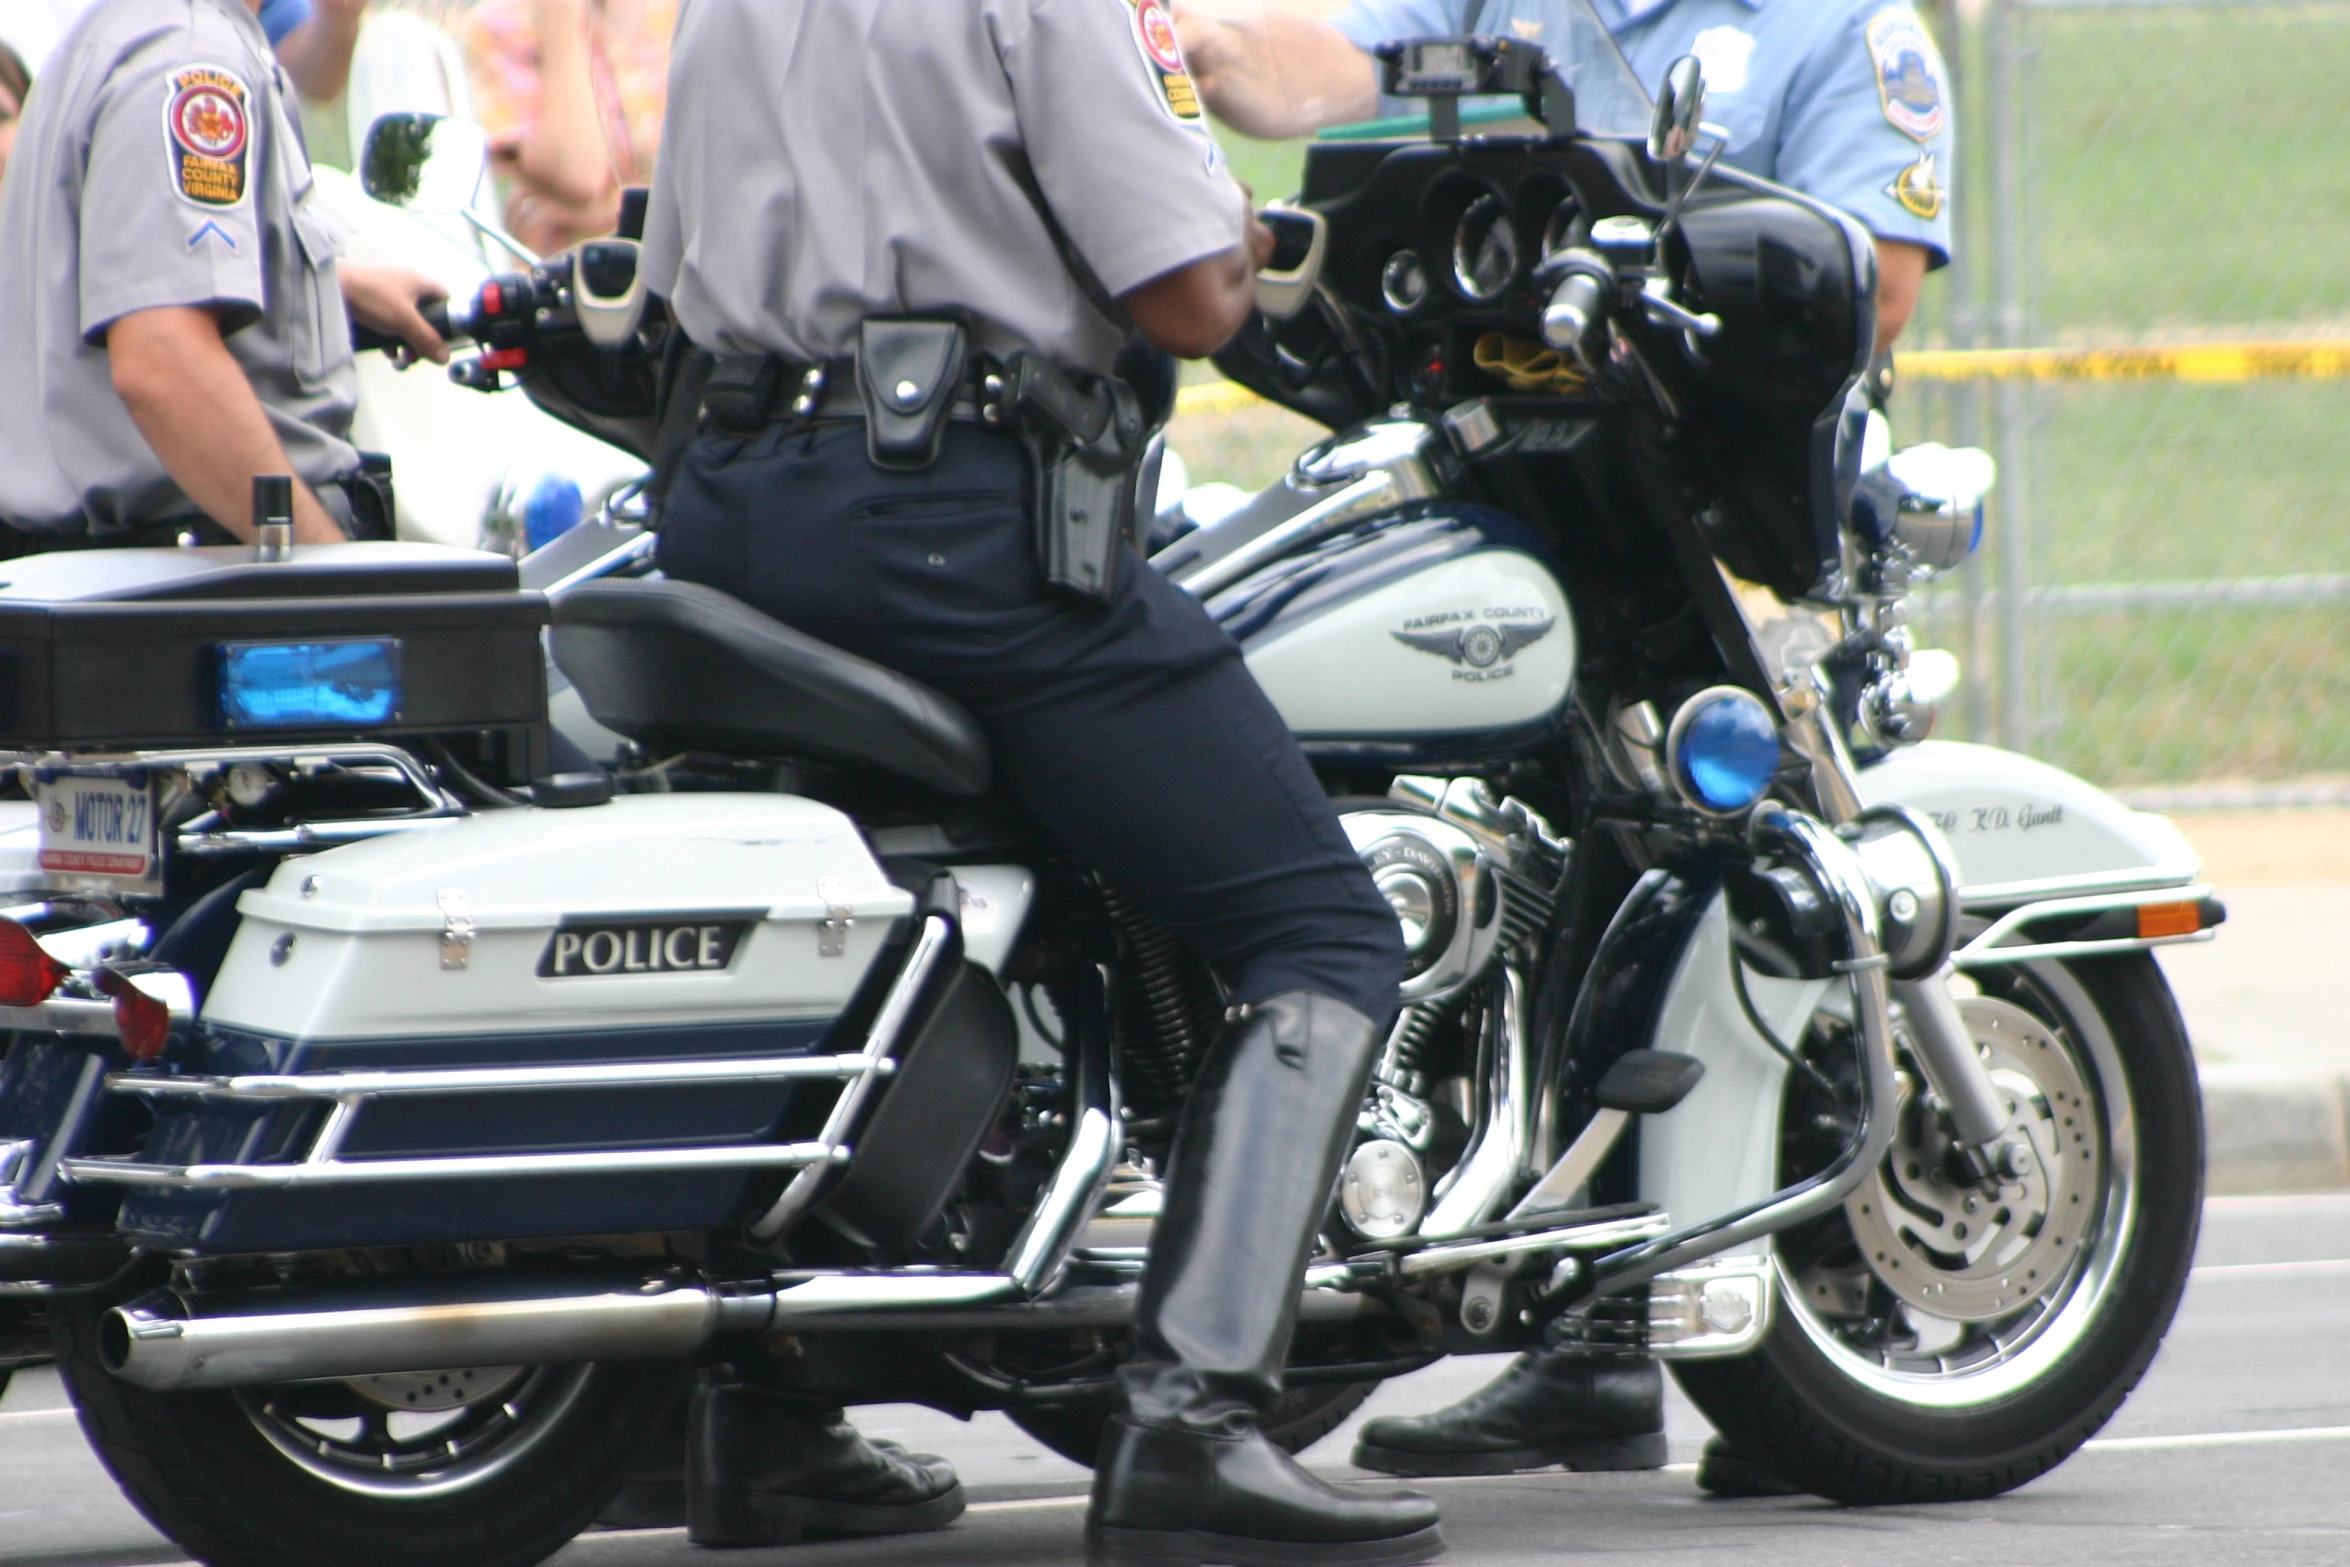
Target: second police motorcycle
390, 1119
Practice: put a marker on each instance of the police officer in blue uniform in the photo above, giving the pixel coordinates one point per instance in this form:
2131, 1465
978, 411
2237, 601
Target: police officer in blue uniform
1845, 100
885, 218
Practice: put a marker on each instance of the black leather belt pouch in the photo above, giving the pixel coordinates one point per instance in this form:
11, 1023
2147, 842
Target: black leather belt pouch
1086, 439
739, 391
909, 373
374, 513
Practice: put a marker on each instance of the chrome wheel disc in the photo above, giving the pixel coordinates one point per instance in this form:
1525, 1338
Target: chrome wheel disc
417, 1434
1947, 1307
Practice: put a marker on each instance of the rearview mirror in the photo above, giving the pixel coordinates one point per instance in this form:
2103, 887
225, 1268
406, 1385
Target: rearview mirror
424, 163
1286, 282
1680, 110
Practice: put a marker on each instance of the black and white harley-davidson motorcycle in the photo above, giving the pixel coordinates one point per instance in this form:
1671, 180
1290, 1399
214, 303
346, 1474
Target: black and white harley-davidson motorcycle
389, 1121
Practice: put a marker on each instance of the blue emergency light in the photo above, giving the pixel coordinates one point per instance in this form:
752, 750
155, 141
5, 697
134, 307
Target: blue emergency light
346, 683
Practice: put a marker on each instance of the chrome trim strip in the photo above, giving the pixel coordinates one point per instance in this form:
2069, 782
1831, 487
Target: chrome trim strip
2014, 920
310, 835
930, 944
1611, 1232
1367, 496
2138, 878
374, 1085
63, 1015
360, 1172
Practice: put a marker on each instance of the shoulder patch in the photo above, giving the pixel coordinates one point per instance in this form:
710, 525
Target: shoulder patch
1162, 56
208, 133
1921, 195
1909, 72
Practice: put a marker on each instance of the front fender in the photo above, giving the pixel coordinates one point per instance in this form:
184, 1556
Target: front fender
2025, 830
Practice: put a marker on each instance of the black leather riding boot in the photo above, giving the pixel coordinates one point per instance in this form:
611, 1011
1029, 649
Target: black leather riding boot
1184, 1476
764, 1469
1555, 1408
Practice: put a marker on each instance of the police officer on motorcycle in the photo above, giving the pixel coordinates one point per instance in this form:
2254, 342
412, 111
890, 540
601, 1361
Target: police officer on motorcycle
1845, 101
916, 238
173, 320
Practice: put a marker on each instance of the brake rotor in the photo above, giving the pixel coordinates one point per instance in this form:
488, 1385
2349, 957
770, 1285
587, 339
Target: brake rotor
1967, 1253
435, 1392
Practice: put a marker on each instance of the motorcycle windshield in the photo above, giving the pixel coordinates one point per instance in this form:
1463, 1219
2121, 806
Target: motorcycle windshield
1287, 68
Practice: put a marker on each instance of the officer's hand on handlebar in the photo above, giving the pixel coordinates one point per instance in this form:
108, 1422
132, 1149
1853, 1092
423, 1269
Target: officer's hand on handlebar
390, 301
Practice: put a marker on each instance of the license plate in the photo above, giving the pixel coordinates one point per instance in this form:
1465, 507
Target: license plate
101, 830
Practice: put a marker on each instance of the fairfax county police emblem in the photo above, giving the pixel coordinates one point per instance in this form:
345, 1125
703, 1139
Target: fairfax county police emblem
1481, 646
208, 135
1921, 195
1154, 36
1909, 72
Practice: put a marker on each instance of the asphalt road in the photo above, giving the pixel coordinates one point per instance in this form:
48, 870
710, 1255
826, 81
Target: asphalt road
2235, 1449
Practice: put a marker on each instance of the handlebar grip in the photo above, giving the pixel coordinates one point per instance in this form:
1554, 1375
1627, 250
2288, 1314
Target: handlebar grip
366, 339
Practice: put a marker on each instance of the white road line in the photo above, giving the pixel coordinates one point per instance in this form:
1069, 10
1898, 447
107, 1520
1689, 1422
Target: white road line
2151, 1444
2312, 1268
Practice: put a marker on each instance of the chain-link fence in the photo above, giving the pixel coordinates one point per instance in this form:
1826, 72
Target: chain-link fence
2164, 595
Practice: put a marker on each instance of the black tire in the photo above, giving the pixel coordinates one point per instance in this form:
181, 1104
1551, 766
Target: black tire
1298, 1419
1823, 1421
203, 1468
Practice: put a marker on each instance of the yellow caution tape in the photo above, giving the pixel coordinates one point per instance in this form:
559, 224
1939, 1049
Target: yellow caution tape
2208, 362
2220, 363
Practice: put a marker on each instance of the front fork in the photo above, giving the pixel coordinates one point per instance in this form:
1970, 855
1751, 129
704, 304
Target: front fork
1929, 1018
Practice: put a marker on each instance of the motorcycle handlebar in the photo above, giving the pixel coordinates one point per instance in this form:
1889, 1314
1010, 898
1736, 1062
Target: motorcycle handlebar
366, 339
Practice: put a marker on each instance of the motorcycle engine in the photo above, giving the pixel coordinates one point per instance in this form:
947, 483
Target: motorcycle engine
1467, 875
1473, 881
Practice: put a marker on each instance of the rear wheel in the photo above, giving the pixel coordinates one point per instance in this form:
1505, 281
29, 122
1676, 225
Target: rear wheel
1937, 1342
1296, 1420
485, 1467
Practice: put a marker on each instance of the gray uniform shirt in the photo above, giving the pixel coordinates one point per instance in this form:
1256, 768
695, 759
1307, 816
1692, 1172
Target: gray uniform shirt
827, 160
159, 163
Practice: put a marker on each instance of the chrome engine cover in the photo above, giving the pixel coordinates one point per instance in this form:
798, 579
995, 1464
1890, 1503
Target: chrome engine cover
1465, 873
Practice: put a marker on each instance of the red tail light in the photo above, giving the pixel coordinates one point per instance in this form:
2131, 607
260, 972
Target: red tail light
28, 976
143, 1021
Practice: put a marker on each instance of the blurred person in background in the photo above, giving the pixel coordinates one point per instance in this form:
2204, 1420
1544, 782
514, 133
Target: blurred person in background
15, 82
312, 38
572, 93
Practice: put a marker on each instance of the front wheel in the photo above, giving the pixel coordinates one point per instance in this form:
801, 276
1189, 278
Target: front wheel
1938, 1342
495, 1466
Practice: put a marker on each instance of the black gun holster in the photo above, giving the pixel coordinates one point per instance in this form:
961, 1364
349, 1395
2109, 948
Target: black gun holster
1086, 441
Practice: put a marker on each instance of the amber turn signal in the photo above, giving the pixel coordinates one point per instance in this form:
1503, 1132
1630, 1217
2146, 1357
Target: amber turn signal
28, 975
2169, 919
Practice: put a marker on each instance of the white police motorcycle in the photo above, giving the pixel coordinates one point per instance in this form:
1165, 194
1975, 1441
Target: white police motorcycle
389, 1120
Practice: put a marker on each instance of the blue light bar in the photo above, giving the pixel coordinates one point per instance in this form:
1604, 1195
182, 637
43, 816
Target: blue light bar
348, 683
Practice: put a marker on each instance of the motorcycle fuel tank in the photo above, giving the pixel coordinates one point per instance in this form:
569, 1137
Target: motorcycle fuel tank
1445, 631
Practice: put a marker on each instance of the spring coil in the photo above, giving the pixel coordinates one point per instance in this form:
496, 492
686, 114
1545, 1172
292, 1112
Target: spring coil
1165, 1010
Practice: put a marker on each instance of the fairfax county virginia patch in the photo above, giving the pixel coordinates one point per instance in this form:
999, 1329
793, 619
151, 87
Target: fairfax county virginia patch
1909, 72
1162, 55
208, 132
1921, 195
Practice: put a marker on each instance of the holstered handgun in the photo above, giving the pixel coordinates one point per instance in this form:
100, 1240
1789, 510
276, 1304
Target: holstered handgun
1086, 439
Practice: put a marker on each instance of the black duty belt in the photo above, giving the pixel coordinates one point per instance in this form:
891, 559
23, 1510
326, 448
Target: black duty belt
746, 395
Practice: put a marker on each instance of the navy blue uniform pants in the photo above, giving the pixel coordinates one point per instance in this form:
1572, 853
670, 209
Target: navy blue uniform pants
1133, 733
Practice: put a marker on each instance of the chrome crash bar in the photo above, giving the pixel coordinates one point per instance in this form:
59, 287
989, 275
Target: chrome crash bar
1840, 872
349, 1093
1995, 945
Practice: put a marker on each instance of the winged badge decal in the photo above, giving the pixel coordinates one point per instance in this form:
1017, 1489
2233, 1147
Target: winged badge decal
1478, 646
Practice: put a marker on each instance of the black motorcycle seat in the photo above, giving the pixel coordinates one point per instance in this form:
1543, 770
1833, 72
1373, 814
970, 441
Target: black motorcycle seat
676, 666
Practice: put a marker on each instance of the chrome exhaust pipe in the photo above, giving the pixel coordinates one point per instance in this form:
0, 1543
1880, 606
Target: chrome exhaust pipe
176, 1343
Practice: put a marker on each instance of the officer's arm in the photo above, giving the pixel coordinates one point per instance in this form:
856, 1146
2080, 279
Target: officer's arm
1194, 310
191, 400
317, 54
1901, 273
1277, 76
